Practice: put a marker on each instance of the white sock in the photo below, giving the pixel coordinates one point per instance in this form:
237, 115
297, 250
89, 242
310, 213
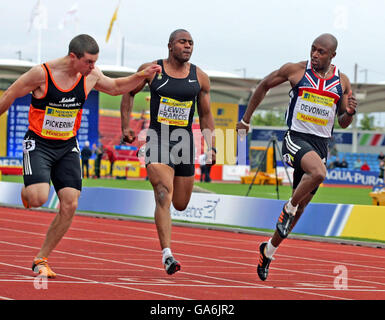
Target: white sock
290, 208
166, 252
270, 249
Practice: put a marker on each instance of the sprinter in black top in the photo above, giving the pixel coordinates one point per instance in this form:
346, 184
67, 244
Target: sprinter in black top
172, 108
173, 100
175, 93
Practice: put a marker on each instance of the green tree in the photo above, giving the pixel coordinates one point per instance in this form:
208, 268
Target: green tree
269, 118
367, 123
336, 124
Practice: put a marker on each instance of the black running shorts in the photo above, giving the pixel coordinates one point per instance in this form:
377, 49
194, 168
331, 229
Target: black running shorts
47, 160
295, 145
178, 154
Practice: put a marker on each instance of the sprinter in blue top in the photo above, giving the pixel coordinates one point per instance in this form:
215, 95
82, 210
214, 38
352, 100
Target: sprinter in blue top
319, 94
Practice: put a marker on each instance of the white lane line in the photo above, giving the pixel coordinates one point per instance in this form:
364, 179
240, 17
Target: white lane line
253, 285
88, 281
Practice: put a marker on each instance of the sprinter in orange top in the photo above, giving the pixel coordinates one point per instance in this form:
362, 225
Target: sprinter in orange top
57, 114
51, 152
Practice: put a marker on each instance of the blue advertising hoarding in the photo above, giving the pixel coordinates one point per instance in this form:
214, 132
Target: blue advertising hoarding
89, 128
365, 178
17, 126
320, 219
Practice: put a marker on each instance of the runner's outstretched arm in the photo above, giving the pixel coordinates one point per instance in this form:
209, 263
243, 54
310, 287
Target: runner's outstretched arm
27, 83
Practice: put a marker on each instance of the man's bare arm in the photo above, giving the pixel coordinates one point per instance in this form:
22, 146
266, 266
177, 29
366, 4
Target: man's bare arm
127, 104
206, 119
26, 83
348, 104
270, 81
123, 85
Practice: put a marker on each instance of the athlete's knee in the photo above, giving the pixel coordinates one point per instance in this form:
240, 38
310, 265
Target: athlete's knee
162, 195
179, 205
68, 206
319, 175
35, 200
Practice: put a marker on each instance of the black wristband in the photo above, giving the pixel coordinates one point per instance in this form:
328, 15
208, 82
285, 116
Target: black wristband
215, 150
350, 114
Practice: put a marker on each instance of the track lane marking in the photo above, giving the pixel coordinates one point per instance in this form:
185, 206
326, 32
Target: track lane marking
252, 285
88, 281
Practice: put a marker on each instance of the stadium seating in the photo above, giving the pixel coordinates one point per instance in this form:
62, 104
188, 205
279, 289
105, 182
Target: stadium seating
110, 135
350, 157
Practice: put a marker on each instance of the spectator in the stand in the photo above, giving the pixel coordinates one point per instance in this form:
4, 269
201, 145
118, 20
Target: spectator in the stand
98, 150
111, 157
335, 164
357, 164
381, 157
365, 167
343, 164
86, 155
382, 168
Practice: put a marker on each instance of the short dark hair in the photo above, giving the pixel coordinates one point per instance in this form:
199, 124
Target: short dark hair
174, 33
83, 43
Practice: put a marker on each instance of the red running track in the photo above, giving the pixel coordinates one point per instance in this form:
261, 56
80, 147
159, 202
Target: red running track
110, 259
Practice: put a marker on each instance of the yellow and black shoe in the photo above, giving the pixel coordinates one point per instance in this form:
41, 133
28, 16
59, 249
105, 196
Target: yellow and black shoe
40, 266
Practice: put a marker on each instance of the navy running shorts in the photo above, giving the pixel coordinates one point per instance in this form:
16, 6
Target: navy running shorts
295, 145
46, 160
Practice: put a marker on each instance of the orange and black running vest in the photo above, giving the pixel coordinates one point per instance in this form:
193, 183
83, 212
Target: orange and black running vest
57, 115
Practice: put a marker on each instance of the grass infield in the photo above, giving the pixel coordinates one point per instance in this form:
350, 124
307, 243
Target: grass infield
325, 194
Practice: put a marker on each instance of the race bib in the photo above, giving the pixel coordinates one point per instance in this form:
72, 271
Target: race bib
173, 112
315, 108
59, 123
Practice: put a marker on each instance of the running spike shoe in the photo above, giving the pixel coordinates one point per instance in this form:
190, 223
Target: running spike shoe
263, 263
40, 266
284, 223
171, 265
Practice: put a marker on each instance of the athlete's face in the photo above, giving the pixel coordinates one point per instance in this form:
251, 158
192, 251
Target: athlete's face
86, 63
321, 56
181, 47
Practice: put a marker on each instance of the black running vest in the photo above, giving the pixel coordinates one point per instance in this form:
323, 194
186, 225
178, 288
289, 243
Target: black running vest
173, 100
